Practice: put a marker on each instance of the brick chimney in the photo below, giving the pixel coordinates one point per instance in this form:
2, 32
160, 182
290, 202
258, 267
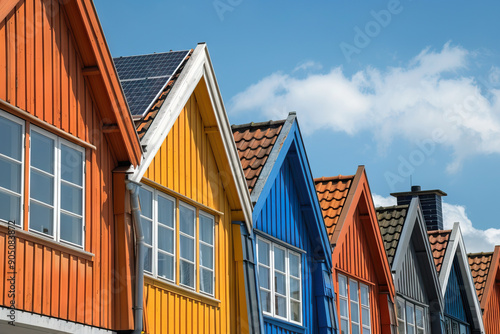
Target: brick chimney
430, 200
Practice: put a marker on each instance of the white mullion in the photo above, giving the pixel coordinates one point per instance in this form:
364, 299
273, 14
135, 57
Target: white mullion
10, 192
271, 263
154, 230
287, 286
6, 157
71, 184
57, 190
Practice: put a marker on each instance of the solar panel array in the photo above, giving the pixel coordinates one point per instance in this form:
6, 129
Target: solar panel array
143, 77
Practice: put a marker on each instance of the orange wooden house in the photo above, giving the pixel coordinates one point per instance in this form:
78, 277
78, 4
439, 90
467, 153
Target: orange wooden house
485, 268
361, 272
66, 133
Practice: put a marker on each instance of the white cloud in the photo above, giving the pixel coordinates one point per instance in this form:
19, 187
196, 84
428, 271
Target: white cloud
426, 100
476, 240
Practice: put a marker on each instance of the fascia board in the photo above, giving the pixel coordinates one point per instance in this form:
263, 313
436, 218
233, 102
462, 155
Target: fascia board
405, 237
448, 258
490, 281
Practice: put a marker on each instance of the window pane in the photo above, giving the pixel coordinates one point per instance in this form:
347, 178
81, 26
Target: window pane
42, 152
344, 325
187, 248
265, 299
41, 218
207, 281
263, 252
71, 198
296, 311
279, 259
463, 329
342, 286
186, 220
146, 200
294, 288
187, 273
410, 315
10, 207
294, 261
206, 256
10, 175
365, 299
165, 266
264, 277
71, 229
165, 211
353, 287
280, 283
401, 309
148, 259
280, 306
206, 229
365, 316
354, 329
421, 331
419, 316
355, 312
10, 138
71, 165
401, 327
410, 329
147, 230
42, 187
165, 239
366, 331
344, 308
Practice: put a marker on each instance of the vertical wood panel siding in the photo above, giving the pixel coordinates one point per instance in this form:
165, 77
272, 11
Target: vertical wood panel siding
492, 315
282, 217
354, 257
40, 72
454, 298
186, 164
408, 280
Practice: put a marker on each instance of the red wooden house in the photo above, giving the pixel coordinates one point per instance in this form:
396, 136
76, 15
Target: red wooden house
361, 272
485, 268
66, 134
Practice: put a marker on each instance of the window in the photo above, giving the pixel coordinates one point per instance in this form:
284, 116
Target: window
11, 168
454, 326
411, 317
354, 305
195, 233
56, 204
279, 270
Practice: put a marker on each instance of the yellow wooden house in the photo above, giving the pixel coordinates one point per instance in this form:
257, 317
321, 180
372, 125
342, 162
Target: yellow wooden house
195, 208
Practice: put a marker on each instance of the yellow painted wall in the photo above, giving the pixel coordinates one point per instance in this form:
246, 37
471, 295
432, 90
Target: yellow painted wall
186, 164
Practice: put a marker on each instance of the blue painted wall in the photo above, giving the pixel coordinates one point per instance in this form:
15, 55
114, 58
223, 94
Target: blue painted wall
455, 302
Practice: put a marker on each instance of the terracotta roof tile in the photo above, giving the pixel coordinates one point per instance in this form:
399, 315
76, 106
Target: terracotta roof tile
480, 264
142, 125
391, 221
332, 194
439, 242
255, 142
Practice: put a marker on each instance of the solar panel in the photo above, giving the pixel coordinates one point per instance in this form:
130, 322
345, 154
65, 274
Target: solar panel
144, 77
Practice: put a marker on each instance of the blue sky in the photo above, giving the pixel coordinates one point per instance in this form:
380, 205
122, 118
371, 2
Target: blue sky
403, 87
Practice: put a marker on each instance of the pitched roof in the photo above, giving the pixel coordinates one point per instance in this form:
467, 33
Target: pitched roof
133, 87
439, 242
480, 264
391, 221
332, 194
255, 142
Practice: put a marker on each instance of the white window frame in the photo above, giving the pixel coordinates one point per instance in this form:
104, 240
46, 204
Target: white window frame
22, 174
403, 316
364, 308
200, 242
358, 302
58, 141
408, 324
361, 308
194, 237
272, 246
346, 299
156, 223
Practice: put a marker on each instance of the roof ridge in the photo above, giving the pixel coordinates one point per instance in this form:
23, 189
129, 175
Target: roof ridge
154, 53
257, 125
333, 178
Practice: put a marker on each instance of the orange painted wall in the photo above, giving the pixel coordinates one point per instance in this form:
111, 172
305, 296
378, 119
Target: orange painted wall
351, 257
491, 316
41, 73
186, 164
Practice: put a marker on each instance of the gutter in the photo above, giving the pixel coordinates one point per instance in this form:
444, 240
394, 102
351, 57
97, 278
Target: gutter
133, 188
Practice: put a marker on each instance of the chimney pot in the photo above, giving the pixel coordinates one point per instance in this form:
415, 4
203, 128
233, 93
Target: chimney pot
415, 188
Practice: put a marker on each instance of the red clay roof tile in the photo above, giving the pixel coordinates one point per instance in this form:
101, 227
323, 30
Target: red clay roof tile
439, 242
255, 142
480, 264
332, 194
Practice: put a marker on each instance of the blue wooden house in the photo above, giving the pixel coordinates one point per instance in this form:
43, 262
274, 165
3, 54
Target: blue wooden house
293, 255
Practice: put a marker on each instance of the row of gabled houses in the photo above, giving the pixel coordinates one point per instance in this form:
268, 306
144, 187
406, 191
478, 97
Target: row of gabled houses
128, 204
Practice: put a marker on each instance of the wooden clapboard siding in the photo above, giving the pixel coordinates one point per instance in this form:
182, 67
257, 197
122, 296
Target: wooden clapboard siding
409, 280
41, 73
353, 257
491, 316
186, 164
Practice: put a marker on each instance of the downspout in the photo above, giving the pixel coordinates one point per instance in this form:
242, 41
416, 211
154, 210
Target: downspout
133, 188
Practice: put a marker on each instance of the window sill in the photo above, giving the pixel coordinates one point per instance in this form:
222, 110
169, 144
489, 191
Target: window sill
47, 241
200, 297
284, 324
